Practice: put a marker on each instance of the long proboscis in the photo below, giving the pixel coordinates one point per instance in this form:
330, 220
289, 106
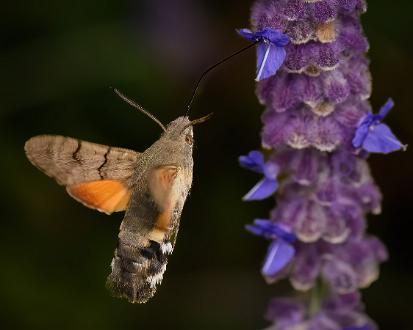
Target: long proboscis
204, 74
198, 121
140, 108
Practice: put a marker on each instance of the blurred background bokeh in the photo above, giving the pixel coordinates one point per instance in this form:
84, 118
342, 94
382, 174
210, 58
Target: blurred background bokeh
57, 62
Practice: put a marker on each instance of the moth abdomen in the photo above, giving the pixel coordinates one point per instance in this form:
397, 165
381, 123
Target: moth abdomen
136, 271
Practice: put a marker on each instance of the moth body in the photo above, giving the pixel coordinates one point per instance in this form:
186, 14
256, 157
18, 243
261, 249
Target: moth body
148, 231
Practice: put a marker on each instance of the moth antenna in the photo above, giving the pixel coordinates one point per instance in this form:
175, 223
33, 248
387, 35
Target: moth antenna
191, 100
198, 121
139, 107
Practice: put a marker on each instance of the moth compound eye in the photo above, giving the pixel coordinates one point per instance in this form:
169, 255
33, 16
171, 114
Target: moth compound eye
189, 139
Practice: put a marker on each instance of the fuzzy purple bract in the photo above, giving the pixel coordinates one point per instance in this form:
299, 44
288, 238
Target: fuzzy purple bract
314, 81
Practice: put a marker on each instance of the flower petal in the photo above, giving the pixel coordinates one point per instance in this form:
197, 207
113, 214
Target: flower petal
263, 189
257, 230
269, 60
276, 37
271, 170
380, 139
271, 230
385, 109
262, 227
360, 136
278, 256
247, 34
254, 161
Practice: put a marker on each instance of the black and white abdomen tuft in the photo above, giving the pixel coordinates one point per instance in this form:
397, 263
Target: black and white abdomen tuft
136, 272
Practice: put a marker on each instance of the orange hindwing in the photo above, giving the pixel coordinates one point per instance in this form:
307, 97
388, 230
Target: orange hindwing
104, 195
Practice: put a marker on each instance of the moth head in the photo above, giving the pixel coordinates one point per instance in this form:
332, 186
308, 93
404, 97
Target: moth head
181, 129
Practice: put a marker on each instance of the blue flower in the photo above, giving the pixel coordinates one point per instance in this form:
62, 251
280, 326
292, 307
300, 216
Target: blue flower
280, 252
268, 185
270, 50
374, 136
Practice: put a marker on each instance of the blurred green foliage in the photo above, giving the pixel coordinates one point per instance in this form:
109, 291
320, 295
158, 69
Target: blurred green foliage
57, 62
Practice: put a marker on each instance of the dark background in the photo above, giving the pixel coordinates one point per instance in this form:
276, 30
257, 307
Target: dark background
57, 61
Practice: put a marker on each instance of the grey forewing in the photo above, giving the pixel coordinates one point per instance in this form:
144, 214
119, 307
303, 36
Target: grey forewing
71, 161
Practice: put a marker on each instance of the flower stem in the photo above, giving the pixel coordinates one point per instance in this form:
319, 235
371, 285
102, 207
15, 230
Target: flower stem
315, 298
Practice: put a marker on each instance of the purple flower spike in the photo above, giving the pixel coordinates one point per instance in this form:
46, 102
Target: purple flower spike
374, 136
318, 128
268, 185
270, 50
280, 252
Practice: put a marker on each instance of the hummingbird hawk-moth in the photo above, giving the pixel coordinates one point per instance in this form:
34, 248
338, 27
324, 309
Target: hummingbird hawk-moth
151, 187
